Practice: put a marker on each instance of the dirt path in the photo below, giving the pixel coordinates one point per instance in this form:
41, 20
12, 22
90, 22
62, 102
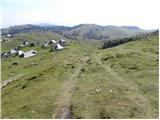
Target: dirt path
6, 82
64, 108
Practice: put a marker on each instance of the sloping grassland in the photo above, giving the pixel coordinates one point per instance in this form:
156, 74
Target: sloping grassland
118, 82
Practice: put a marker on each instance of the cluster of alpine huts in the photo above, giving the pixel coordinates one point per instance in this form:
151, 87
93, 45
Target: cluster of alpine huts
55, 46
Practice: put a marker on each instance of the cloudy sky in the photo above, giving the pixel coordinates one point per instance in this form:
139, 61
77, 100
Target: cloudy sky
142, 13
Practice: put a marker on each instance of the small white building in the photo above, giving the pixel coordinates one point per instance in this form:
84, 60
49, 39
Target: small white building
25, 43
51, 42
8, 35
58, 47
13, 51
30, 53
62, 42
20, 53
4, 54
45, 45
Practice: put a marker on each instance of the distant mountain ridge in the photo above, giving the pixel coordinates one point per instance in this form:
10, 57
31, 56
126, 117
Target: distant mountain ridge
97, 32
45, 24
79, 32
30, 28
132, 27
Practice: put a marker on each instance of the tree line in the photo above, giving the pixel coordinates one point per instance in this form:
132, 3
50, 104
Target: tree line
116, 42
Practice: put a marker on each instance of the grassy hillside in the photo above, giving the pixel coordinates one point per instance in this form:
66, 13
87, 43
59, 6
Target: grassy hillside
30, 28
92, 31
126, 78
83, 81
115, 42
35, 37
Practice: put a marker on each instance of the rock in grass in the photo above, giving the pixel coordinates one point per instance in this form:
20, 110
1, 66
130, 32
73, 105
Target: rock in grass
110, 91
33, 111
98, 89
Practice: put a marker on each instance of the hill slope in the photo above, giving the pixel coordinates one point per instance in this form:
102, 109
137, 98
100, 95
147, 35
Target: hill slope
84, 82
33, 28
92, 31
35, 36
79, 32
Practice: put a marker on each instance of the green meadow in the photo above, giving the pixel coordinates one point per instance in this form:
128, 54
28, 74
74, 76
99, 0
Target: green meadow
82, 80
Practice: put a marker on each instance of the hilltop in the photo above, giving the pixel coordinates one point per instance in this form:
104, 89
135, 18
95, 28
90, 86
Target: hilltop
97, 32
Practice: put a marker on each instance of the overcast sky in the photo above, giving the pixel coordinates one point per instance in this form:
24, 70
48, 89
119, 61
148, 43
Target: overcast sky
142, 13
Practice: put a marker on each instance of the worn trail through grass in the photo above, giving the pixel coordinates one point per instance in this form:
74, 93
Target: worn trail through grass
64, 107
